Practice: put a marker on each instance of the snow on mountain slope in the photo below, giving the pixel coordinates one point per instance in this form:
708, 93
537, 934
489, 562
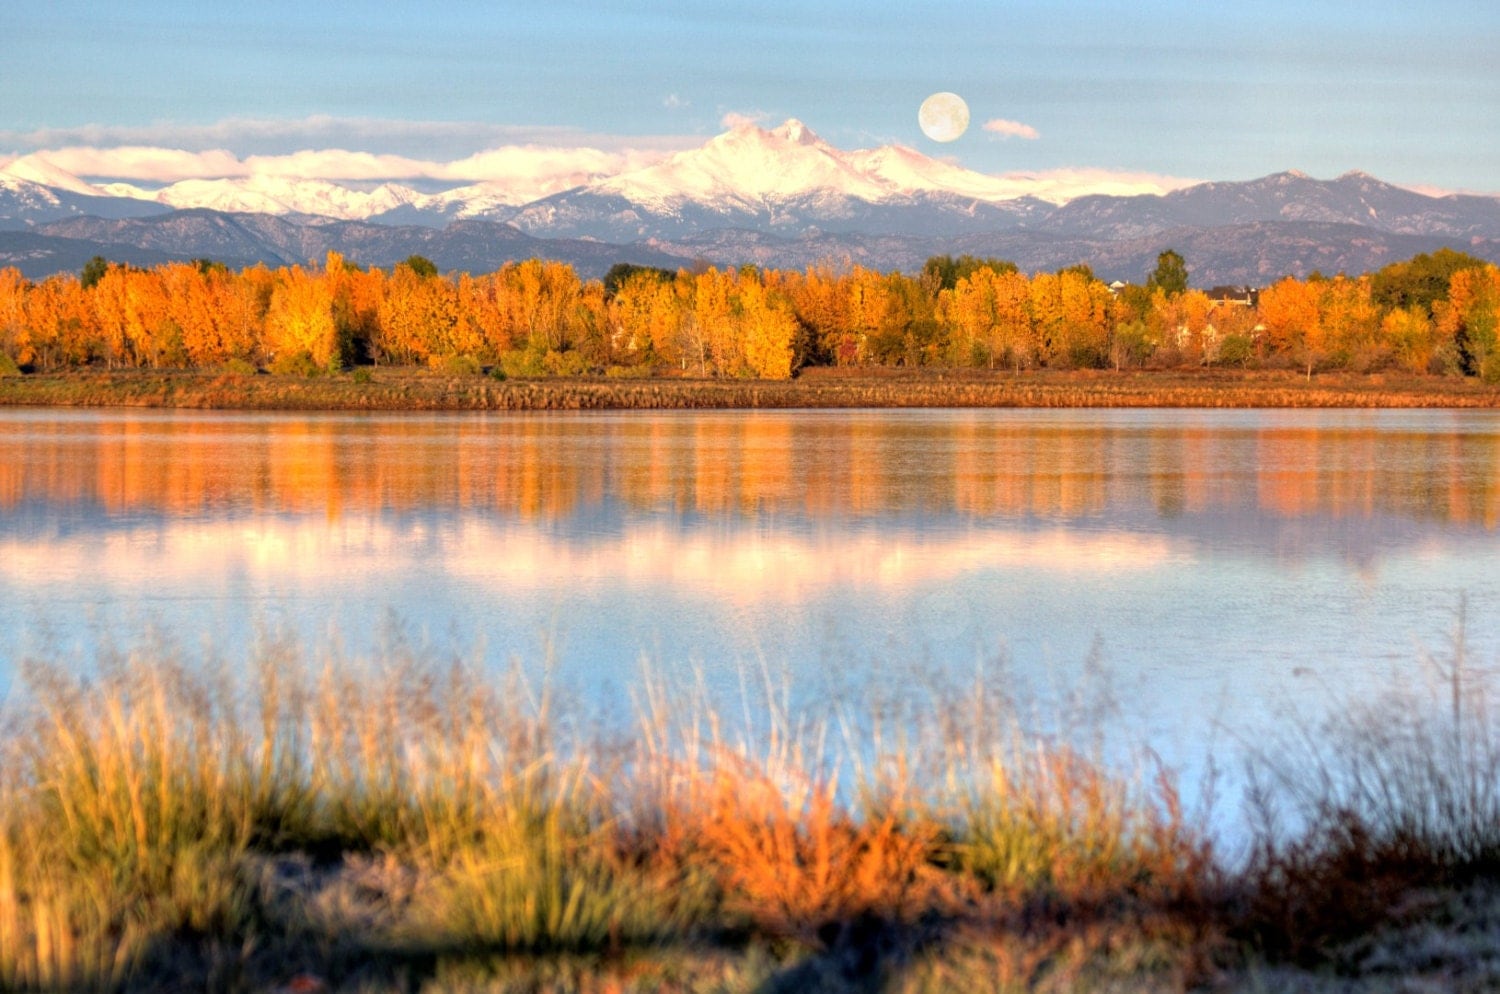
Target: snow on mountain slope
275, 195
748, 167
37, 170
905, 171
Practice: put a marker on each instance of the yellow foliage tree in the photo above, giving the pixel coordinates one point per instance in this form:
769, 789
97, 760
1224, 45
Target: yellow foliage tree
768, 328
299, 322
988, 319
643, 317
1470, 321
1351, 321
1409, 333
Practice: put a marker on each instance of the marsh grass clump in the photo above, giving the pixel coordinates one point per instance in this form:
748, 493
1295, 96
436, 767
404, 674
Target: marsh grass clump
1372, 813
138, 799
125, 804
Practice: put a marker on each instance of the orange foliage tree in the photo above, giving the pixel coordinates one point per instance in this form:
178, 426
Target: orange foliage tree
1292, 316
537, 317
299, 329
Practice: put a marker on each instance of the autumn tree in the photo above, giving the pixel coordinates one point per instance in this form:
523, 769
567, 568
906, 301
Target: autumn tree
768, 328
300, 334
15, 337
1351, 323
543, 298
61, 323
1408, 332
193, 313
643, 316
481, 307
989, 319
709, 322
1183, 325
417, 316
133, 318
864, 300
1470, 320
1291, 312
820, 303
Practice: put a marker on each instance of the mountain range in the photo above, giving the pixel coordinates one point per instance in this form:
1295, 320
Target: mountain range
781, 197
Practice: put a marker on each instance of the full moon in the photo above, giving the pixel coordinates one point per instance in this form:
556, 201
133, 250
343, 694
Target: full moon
943, 117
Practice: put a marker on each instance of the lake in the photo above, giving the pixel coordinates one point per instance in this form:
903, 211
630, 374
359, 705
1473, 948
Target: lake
1217, 568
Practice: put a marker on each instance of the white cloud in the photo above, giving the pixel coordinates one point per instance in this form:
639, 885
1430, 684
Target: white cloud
137, 162
1011, 129
344, 150
250, 136
531, 165
739, 119
674, 102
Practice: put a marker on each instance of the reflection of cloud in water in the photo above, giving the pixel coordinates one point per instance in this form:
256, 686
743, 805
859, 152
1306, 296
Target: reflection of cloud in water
752, 565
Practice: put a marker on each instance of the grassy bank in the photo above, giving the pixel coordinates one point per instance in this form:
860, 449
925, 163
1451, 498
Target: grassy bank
388, 389
405, 824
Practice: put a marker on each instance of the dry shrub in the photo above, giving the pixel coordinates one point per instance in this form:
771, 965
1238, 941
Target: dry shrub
793, 861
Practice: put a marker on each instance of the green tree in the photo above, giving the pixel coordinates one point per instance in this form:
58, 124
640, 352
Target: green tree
1421, 280
1170, 274
942, 272
421, 265
622, 271
93, 271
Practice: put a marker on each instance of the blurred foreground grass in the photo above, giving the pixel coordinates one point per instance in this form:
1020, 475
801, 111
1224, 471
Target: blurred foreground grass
409, 823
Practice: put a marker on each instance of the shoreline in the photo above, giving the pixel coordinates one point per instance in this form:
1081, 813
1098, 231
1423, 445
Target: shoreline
402, 389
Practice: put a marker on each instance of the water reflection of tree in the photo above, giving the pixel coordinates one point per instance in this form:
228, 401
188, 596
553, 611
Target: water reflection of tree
969, 463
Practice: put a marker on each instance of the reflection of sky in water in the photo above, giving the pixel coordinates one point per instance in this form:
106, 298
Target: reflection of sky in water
1223, 564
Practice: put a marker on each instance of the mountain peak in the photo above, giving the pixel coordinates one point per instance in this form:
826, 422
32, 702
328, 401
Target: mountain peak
794, 131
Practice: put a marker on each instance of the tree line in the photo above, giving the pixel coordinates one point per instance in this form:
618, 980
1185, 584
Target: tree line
1437, 313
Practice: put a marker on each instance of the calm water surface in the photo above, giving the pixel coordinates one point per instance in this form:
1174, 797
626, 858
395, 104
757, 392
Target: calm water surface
1221, 565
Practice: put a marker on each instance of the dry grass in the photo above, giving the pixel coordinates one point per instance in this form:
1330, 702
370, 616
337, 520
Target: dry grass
1360, 818
431, 390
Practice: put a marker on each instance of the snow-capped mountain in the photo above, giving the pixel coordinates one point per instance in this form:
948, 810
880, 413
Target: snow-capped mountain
275, 195
785, 180
33, 191
788, 181
35, 169
779, 197
747, 168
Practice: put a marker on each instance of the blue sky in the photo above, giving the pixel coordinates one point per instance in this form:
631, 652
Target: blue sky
1188, 89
